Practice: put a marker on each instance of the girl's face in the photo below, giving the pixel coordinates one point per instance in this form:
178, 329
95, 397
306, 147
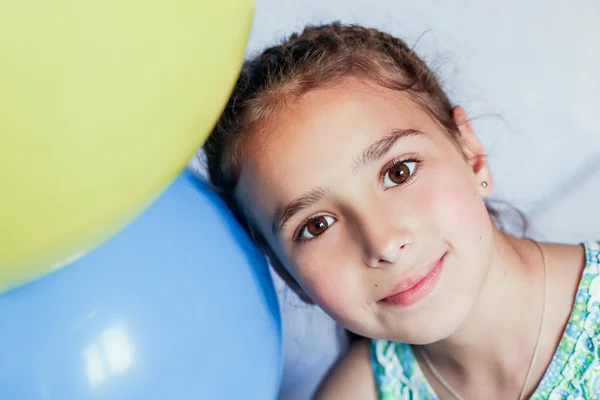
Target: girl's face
373, 209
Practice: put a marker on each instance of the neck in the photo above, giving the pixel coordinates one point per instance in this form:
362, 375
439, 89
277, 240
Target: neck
497, 340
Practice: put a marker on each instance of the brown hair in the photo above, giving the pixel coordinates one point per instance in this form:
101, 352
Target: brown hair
317, 57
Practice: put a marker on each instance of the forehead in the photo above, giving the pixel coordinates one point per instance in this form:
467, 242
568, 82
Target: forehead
310, 142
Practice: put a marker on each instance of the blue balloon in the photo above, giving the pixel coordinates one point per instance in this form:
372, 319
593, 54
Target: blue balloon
179, 305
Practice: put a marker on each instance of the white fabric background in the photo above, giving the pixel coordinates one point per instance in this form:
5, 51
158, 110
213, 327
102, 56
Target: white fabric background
527, 72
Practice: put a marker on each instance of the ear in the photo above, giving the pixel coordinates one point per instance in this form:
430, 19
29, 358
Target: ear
473, 151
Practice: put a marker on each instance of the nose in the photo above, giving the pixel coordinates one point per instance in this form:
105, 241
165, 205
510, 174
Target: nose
385, 240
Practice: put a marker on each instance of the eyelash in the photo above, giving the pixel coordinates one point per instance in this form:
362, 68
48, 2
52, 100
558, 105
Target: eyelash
382, 174
395, 163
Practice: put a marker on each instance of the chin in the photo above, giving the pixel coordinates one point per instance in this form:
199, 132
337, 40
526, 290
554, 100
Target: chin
429, 335
425, 328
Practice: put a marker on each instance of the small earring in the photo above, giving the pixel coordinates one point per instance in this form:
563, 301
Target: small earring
484, 184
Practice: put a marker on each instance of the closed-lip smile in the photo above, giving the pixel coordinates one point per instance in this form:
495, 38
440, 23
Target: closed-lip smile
415, 286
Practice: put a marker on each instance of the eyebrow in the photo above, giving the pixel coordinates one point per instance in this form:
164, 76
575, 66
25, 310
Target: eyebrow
371, 154
380, 148
283, 215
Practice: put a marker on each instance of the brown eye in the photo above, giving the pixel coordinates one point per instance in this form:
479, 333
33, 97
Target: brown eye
398, 173
316, 226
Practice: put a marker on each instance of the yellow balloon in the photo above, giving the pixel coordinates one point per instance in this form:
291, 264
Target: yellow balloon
102, 104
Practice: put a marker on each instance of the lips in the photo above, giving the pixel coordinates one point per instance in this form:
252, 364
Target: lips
416, 286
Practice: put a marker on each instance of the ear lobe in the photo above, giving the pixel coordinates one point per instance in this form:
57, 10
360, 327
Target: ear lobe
473, 150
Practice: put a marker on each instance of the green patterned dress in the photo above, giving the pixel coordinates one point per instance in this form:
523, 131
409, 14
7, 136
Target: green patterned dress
573, 373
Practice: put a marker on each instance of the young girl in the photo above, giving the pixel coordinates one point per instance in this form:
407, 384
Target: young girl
348, 165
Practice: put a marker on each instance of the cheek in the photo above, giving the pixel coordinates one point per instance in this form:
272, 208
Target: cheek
328, 276
458, 209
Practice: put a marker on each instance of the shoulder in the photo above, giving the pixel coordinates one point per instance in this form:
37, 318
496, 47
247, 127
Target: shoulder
350, 377
566, 264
